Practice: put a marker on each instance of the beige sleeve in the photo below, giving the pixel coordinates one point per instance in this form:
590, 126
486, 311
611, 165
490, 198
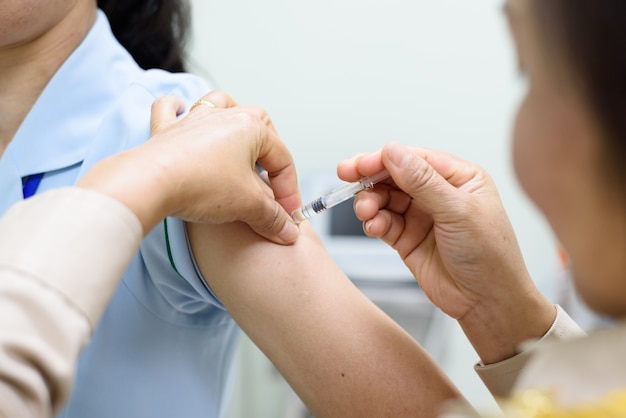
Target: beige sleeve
500, 377
61, 256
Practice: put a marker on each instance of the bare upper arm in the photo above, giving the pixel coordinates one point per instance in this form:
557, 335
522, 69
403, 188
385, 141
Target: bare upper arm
340, 353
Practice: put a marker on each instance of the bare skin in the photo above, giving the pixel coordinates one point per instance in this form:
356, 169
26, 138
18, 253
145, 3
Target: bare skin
35, 39
342, 355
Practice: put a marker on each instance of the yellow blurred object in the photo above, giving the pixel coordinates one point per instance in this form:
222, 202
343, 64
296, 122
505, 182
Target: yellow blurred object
540, 404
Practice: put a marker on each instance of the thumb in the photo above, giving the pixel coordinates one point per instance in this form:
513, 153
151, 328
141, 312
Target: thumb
271, 221
414, 175
165, 110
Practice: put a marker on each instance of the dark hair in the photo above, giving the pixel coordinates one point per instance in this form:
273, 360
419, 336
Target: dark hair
153, 31
592, 36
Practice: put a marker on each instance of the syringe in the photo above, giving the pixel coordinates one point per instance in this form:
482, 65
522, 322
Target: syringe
337, 196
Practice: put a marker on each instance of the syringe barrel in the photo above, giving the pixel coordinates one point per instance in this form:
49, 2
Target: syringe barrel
336, 197
341, 194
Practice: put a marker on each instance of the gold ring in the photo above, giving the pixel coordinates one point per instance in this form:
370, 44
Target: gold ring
202, 102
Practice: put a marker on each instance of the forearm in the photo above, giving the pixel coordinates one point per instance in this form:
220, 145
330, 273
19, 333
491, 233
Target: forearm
41, 336
342, 355
138, 179
61, 256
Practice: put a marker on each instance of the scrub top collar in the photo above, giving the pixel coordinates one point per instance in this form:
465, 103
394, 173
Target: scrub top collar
60, 127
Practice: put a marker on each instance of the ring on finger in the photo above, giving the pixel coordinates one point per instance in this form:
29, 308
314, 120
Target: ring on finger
202, 102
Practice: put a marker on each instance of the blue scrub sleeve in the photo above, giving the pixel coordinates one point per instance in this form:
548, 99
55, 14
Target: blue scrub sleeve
165, 252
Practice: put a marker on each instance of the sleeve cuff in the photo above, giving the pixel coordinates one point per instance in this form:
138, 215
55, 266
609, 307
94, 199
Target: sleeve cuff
500, 377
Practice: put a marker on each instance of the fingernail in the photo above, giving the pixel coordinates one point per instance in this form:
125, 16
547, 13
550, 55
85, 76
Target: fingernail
357, 204
290, 232
367, 226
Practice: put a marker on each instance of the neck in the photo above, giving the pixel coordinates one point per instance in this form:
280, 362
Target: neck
26, 69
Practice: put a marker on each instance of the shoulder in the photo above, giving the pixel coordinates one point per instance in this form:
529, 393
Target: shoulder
185, 86
126, 122
132, 108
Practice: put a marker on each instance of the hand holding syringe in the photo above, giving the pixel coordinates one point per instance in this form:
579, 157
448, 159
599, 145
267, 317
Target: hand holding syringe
337, 196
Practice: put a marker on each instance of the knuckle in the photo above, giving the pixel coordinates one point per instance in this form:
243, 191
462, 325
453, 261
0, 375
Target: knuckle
259, 215
269, 223
220, 99
251, 121
216, 95
421, 176
157, 103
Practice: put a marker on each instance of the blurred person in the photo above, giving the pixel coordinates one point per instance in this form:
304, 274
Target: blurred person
443, 215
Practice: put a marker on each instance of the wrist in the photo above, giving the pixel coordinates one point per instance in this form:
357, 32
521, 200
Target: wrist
135, 181
497, 329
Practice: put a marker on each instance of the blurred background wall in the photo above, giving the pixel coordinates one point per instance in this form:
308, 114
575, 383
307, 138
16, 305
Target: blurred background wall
340, 77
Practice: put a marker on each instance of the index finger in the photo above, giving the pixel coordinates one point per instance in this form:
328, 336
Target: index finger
275, 158
164, 112
350, 169
455, 170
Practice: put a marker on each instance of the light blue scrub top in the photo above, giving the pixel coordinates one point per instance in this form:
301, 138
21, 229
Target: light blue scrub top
165, 345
